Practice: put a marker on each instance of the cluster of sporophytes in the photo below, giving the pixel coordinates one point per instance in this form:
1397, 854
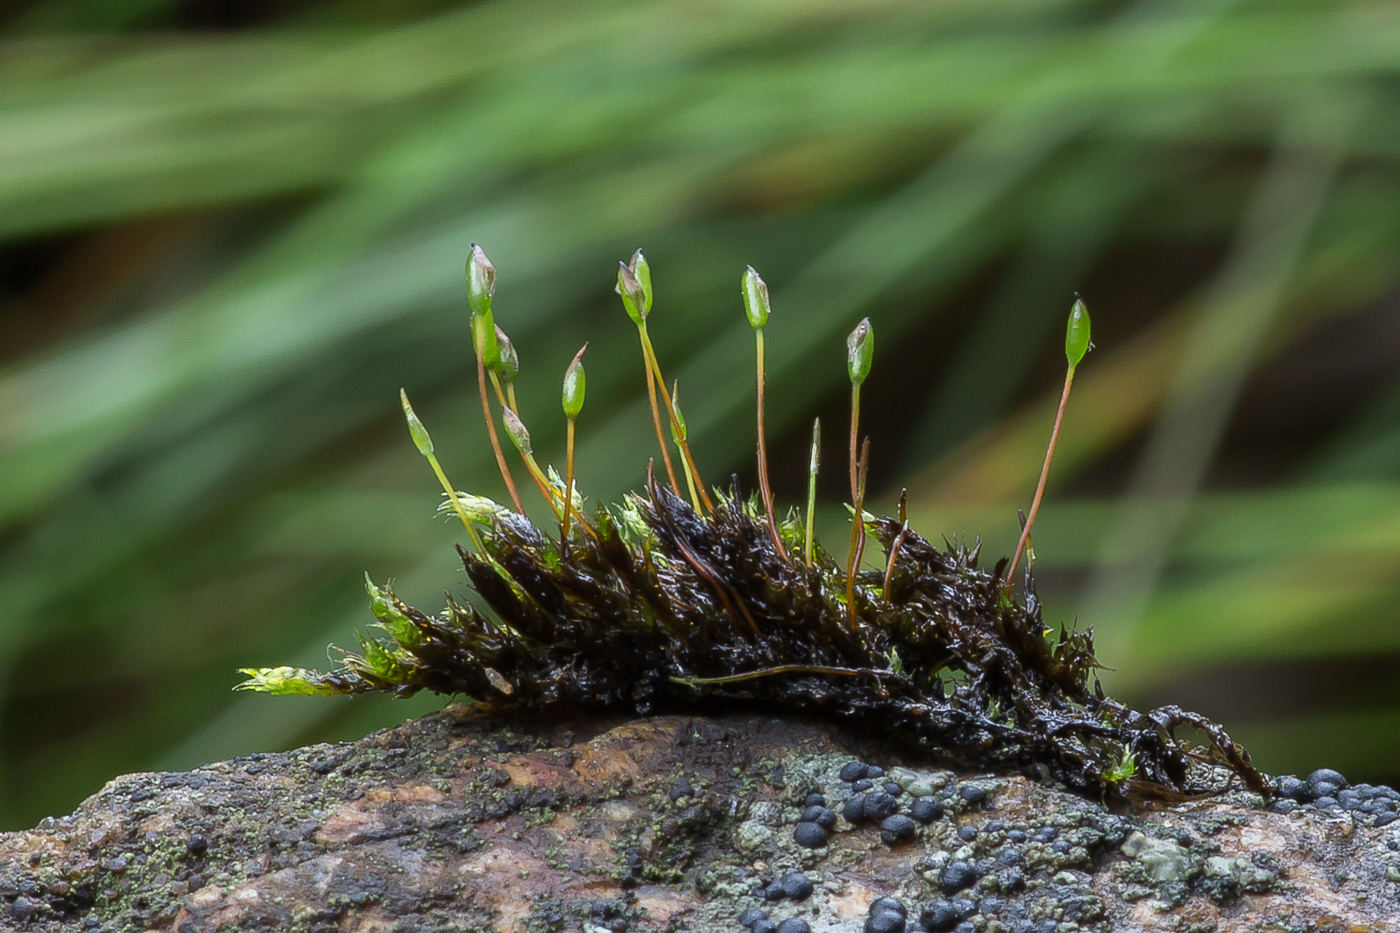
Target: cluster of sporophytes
686, 598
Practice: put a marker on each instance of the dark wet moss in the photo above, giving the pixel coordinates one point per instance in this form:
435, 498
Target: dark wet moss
656, 607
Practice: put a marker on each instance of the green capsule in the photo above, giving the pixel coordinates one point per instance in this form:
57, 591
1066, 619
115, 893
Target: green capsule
421, 440
756, 304
1077, 333
634, 297
481, 280
519, 435
509, 366
860, 350
484, 339
642, 270
575, 385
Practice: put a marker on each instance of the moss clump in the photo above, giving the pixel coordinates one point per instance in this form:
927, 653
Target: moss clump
661, 603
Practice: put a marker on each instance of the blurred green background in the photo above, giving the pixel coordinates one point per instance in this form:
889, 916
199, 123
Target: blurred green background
231, 231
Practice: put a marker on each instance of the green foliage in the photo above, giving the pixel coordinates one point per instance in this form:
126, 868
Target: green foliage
1124, 769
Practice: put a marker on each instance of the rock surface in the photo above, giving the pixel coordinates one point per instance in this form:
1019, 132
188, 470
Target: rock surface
459, 822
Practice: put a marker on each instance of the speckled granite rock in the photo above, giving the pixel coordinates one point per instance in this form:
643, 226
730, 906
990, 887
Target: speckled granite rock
454, 822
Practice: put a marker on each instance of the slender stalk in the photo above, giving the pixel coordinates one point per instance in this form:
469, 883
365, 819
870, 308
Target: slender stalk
897, 543
1077, 343
568, 483
520, 437
857, 533
764, 489
786, 669
678, 437
812, 485
855, 427
456, 504
501, 397
1040, 486
551, 495
424, 442
666, 397
656, 413
495, 441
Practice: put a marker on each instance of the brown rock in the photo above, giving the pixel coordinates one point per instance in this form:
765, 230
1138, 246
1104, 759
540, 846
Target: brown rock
460, 822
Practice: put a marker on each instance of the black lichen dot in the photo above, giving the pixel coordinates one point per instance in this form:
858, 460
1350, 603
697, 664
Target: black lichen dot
853, 771
896, 828
972, 793
854, 810
1011, 881
938, 917
1294, 788
751, 916
874, 771
886, 921
794, 925
887, 915
941, 916
820, 815
814, 800
794, 886
809, 835
196, 844
1331, 777
956, 876
967, 833
925, 810
879, 805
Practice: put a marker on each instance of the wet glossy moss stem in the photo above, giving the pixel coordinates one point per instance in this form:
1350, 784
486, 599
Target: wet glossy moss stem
895, 545
789, 669
1077, 343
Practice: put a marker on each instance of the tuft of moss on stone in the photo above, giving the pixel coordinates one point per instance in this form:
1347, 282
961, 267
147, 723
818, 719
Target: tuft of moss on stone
659, 604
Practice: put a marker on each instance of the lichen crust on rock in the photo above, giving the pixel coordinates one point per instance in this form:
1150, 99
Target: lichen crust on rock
458, 821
